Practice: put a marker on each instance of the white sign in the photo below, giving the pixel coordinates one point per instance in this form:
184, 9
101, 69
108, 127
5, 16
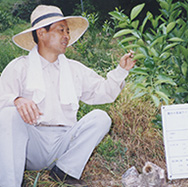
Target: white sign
175, 133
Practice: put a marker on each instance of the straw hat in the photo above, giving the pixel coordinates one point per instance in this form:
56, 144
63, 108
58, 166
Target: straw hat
44, 15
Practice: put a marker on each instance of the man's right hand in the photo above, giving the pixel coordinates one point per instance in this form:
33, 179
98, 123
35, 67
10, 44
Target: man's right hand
27, 109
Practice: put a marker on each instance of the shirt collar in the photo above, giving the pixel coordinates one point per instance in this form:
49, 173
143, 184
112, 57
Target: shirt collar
45, 63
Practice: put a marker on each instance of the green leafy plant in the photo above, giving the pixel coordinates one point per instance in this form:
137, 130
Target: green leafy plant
160, 50
7, 20
92, 48
9, 51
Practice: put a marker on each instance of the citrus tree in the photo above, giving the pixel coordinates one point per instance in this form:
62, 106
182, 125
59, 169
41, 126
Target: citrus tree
160, 45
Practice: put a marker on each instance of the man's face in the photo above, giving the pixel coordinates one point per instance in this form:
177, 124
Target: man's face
57, 38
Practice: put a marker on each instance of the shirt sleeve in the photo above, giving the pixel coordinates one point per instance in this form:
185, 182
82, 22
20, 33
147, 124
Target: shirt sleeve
98, 90
10, 86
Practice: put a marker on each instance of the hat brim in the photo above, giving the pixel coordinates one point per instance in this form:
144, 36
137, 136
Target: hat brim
77, 27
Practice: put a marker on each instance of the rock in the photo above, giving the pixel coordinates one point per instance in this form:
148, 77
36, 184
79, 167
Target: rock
130, 178
152, 176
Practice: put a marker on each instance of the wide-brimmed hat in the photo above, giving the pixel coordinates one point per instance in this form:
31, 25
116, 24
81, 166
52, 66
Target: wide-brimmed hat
44, 15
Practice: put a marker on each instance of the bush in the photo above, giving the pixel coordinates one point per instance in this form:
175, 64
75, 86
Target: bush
7, 20
24, 9
96, 48
161, 51
9, 50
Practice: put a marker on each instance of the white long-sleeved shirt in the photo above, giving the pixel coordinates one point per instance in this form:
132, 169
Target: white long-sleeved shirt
90, 88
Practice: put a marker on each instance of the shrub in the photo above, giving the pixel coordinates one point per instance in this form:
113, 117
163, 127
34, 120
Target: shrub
88, 7
161, 51
7, 20
23, 9
95, 49
9, 50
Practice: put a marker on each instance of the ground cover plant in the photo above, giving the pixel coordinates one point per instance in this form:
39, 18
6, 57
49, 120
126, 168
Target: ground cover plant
160, 77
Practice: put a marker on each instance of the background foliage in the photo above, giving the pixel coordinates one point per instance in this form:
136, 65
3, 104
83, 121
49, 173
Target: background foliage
23, 8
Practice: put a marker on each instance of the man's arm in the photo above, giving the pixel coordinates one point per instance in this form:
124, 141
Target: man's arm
11, 85
27, 109
126, 61
97, 90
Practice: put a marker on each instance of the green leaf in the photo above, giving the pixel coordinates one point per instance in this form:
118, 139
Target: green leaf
141, 86
135, 24
138, 56
154, 52
181, 90
184, 51
122, 25
132, 38
118, 15
144, 22
155, 100
162, 27
141, 78
137, 95
123, 32
136, 10
149, 15
143, 50
150, 36
139, 71
157, 40
184, 5
136, 33
164, 4
166, 101
170, 46
176, 39
184, 68
164, 79
182, 30
140, 42
162, 95
131, 46
165, 55
175, 14
149, 62
170, 26
180, 21
155, 21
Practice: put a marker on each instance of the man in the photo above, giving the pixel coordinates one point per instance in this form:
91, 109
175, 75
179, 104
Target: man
39, 100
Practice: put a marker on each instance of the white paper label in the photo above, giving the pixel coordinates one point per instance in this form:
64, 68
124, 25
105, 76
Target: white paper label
175, 133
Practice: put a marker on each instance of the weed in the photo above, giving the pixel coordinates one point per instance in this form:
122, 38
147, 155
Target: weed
110, 149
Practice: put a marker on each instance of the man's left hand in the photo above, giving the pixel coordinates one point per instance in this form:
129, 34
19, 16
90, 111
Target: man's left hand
127, 62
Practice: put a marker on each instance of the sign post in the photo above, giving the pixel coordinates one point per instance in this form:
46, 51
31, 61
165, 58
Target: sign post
175, 133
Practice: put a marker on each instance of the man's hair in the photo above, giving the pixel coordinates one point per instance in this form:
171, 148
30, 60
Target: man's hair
34, 33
